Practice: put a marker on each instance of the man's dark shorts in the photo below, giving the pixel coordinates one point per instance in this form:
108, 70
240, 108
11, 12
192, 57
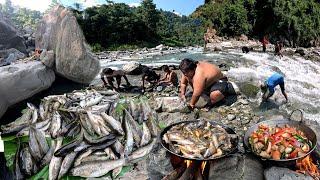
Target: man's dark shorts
224, 87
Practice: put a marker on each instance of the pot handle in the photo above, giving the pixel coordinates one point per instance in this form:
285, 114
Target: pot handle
301, 117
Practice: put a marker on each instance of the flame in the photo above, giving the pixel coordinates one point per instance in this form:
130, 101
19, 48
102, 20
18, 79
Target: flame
203, 166
188, 162
306, 166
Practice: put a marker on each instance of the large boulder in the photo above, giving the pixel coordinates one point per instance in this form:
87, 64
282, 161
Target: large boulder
59, 31
21, 81
9, 37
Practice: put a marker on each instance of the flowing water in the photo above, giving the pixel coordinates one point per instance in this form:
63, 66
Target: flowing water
302, 77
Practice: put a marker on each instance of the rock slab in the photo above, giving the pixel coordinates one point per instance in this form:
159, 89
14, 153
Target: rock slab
236, 167
9, 37
21, 81
279, 173
59, 31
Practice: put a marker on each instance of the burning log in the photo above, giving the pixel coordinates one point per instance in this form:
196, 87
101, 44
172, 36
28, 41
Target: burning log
175, 174
306, 166
189, 172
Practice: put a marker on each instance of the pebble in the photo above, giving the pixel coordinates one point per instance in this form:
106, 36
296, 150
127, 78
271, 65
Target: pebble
243, 101
231, 117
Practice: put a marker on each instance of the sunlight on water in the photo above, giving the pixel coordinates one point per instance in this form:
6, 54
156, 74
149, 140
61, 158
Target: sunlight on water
302, 77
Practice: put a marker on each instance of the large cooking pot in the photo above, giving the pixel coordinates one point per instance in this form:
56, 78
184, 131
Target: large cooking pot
300, 125
234, 142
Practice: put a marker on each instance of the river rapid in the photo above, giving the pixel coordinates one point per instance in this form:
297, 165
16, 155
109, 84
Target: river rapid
302, 76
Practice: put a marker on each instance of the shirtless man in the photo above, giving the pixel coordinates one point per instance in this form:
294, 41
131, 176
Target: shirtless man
203, 78
170, 77
110, 74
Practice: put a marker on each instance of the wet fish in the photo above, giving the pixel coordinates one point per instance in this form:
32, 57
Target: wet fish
55, 163
141, 152
55, 124
153, 127
47, 158
94, 141
34, 147
90, 101
41, 139
17, 170
129, 138
26, 161
96, 168
67, 164
136, 131
146, 136
118, 148
116, 125
82, 156
67, 148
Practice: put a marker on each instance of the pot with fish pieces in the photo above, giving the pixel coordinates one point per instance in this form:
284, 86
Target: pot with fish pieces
293, 133
199, 140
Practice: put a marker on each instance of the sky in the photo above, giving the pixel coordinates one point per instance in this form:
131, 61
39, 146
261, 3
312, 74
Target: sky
184, 7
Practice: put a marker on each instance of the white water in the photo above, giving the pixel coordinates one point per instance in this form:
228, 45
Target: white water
302, 77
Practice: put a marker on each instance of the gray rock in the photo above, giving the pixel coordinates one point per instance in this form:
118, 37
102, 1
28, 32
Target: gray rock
47, 58
9, 37
18, 55
231, 117
21, 81
171, 104
236, 167
279, 173
59, 31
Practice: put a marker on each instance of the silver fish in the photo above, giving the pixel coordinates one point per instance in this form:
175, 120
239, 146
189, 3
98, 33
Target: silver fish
55, 124
26, 161
146, 136
34, 146
82, 156
136, 131
141, 152
116, 125
96, 168
55, 163
129, 138
47, 158
153, 127
90, 101
67, 164
41, 139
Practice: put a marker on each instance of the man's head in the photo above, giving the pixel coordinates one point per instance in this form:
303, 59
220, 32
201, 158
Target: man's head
188, 67
107, 71
165, 68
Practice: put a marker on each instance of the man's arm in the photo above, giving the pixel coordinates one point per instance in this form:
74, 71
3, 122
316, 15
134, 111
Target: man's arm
102, 78
126, 79
183, 87
198, 87
110, 81
283, 91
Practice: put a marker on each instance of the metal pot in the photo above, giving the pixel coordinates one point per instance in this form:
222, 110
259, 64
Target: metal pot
229, 131
300, 125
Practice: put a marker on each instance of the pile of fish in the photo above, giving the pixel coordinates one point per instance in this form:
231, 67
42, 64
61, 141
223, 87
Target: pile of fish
89, 136
199, 140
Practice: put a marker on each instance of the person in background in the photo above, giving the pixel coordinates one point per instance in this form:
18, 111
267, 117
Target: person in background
110, 75
203, 77
264, 42
278, 49
170, 77
268, 86
150, 76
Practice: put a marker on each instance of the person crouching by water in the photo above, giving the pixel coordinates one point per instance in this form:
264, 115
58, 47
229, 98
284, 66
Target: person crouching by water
268, 86
110, 75
206, 78
150, 76
170, 77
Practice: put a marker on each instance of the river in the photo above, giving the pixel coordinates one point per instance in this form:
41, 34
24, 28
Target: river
302, 77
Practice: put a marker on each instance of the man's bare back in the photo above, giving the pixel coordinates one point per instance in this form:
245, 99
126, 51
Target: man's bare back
202, 77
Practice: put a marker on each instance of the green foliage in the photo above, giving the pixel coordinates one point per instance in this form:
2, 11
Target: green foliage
116, 26
21, 17
293, 21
